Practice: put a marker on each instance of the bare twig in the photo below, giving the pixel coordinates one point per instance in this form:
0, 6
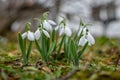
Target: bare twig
66, 77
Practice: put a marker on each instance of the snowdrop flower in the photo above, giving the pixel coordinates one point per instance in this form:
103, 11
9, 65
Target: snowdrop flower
82, 41
47, 24
64, 30
29, 35
38, 32
46, 33
87, 37
82, 30
24, 35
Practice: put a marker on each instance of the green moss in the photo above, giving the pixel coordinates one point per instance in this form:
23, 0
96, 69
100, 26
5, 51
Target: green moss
98, 63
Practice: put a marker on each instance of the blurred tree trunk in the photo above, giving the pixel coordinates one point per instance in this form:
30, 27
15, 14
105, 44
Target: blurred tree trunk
11, 10
55, 10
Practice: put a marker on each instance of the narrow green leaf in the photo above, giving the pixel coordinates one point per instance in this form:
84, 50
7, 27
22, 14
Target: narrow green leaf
60, 46
82, 51
51, 49
53, 35
29, 50
73, 49
66, 48
43, 47
73, 56
38, 47
22, 47
47, 44
20, 41
69, 51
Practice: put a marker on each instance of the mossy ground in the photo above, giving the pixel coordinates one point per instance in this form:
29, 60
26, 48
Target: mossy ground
99, 62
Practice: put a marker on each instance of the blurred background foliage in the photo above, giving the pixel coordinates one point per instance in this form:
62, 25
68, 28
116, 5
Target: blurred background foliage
104, 15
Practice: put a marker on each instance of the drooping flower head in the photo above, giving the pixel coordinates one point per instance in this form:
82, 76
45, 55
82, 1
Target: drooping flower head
39, 31
86, 37
28, 34
37, 34
63, 29
47, 24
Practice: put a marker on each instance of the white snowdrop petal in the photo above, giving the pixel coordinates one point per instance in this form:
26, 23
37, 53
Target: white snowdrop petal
90, 39
61, 31
46, 33
56, 28
50, 28
68, 31
82, 41
24, 35
47, 26
31, 36
51, 22
37, 34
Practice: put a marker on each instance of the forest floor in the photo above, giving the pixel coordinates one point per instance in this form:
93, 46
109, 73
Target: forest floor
99, 62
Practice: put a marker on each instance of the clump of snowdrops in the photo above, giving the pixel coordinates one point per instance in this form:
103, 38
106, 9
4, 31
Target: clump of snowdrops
49, 40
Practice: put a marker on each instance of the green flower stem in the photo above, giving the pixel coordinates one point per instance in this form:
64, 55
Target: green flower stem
39, 49
82, 51
29, 50
81, 34
47, 43
60, 46
37, 45
51, 49
53, 36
